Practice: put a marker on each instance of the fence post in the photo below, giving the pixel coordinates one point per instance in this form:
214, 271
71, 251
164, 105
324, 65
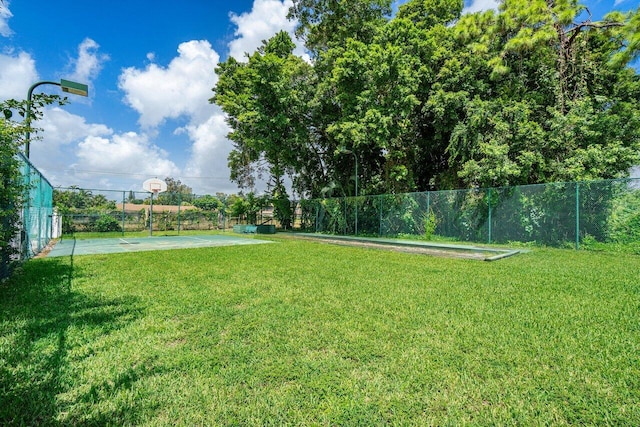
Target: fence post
151, 216
317, 213
380, 225
346, 218
40, 213
577, 216
179, 204
489, 202
123, 214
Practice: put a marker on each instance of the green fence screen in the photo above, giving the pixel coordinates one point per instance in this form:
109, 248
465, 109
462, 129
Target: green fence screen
555, 214
34, 226
37, 211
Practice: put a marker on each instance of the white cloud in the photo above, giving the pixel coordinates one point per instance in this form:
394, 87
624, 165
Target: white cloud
89, 62
129, 152
5, 15
266, 18
61, 127
183, 88
209, 155
55, 147
74, 152
17, 74
480, 5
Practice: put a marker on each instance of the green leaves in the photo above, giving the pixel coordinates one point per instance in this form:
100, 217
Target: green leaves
428, 13
429, 99
265, 100
326, 24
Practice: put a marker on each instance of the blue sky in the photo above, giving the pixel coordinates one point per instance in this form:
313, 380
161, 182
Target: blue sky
150, 70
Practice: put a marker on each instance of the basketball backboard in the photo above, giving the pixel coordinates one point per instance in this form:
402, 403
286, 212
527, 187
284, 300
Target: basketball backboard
155, 185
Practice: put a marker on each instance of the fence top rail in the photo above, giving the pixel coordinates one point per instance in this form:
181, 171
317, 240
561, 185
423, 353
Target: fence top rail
635, 180
32, 168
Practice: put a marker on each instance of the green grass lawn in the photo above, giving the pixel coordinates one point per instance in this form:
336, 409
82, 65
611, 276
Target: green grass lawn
304, 333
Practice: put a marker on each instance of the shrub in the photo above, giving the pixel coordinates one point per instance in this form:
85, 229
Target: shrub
430, 222
624, 221
107, 223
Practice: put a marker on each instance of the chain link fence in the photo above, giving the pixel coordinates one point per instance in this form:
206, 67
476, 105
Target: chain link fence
37, 212
555, 214
96, 210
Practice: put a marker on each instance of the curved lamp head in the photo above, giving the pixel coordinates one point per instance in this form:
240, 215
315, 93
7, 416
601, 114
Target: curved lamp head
74, 88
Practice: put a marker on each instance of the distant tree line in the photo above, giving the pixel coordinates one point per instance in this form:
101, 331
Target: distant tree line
76, 201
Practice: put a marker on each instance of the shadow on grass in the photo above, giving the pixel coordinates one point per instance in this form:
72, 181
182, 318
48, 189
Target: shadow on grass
38, 306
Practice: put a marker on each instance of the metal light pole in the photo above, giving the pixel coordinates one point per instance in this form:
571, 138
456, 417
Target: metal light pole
345, 151
67, 86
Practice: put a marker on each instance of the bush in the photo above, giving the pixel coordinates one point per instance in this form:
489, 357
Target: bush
430, 223
624, 221
107, 223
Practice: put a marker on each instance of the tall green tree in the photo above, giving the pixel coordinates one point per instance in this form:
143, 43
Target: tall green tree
428, 99
266, 102
208, 203
177, 193
78, 200
554, 105
375, 94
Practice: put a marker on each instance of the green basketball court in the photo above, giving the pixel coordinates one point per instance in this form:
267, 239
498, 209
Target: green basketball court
67, 247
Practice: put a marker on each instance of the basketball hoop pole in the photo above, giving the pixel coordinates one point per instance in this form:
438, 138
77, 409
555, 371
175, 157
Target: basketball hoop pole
153, 186
151, 214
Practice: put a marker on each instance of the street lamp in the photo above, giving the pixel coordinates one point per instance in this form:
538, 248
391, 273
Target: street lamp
67, 86
345, 151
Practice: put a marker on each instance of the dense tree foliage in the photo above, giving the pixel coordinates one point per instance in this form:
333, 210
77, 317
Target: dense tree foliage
428, 99
208, 203
266, 100
11, 191
176, 193
78, 200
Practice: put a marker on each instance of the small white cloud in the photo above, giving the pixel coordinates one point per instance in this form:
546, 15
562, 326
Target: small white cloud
480, 5
89, 62
5, 15
17, 74
266, 18
182, 88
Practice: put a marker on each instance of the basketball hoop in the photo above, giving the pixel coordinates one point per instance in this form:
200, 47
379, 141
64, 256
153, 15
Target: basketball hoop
153, 186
